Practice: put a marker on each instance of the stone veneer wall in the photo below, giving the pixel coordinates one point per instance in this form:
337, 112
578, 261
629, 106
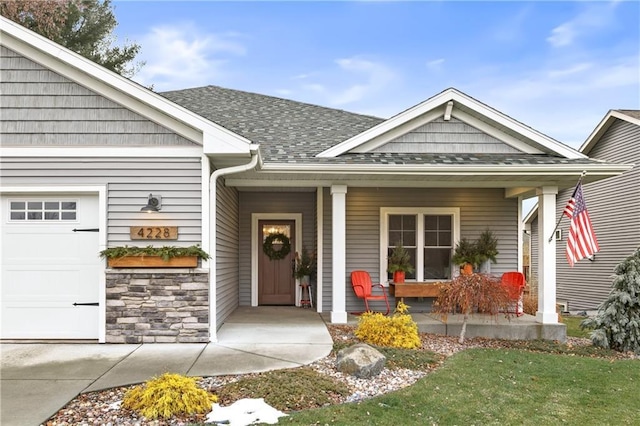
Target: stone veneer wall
157, 306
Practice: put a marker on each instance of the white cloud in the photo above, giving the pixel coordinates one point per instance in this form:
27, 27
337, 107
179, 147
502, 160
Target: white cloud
181, 56
317, 88
574, 69
284, 92
373, 77
436, 64
564, 102
594, 16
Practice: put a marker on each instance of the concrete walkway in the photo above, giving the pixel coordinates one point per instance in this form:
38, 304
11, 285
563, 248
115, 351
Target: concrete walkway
37, 379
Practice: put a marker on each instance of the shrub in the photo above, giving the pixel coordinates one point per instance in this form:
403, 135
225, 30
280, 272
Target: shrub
530, 304
617, 322
397, 331
167, 396
474, 291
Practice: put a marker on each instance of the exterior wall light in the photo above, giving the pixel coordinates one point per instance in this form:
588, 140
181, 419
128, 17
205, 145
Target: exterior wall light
154, 204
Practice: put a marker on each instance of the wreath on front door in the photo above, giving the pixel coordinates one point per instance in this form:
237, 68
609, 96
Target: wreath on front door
267, 246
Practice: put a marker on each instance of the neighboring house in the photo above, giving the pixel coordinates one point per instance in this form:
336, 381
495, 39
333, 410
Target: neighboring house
613, 207
82, 148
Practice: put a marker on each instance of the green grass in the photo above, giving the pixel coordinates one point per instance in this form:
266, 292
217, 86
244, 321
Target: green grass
502, 386
573, 327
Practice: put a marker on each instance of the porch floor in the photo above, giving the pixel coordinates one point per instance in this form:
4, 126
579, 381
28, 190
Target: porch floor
478, 325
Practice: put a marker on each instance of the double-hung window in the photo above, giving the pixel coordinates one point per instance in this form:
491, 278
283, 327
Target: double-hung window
428, 234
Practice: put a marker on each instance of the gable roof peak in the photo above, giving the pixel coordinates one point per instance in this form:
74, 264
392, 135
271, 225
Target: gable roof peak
453, 102
629, 115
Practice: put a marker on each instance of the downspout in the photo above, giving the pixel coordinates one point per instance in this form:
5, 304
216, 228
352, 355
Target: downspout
213, 267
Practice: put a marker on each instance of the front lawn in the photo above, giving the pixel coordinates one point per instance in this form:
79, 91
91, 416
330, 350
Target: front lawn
502, 386
573, 326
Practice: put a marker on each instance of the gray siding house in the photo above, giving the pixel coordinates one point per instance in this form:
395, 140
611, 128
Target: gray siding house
253, 180
614, 209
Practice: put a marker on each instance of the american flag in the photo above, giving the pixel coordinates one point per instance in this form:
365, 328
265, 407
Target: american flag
582, 240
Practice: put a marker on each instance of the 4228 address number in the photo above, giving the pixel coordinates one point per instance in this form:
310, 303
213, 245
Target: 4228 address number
154, 232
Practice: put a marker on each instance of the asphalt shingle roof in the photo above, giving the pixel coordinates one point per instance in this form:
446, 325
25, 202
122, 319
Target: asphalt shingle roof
294, 132
284, 129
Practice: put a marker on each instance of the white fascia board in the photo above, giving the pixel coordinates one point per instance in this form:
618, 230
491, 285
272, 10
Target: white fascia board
440, 100
388, 125
603, 126
495, 132
400, 130
119, 89
533, 213
216, 143
457, 170
517, 127
102, 151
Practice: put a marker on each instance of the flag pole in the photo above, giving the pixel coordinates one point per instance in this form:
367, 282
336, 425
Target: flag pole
584, 172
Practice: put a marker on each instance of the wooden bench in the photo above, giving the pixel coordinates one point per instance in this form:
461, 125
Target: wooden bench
415, 289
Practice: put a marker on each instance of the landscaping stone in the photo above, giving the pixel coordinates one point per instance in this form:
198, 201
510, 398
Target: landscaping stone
360, 360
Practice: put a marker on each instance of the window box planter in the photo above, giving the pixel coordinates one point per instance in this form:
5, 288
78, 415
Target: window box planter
153, 262
154, 257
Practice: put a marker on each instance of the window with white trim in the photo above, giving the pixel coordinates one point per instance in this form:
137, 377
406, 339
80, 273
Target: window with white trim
428, 234
42, 210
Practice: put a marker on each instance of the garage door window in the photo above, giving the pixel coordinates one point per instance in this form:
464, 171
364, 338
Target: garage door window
43, 210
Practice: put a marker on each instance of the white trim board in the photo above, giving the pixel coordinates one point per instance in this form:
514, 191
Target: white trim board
384, 233
103, 152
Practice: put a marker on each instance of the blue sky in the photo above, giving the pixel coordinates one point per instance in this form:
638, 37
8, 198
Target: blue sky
556, 66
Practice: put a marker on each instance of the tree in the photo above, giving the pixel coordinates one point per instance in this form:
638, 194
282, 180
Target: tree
84, 26
468, 292
617, 322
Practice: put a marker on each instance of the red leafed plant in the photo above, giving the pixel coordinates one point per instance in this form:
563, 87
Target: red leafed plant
468, 293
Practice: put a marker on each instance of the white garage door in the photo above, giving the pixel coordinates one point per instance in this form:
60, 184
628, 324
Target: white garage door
50, 273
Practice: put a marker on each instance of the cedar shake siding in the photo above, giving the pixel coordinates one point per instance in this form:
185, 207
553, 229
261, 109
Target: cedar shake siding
42, 108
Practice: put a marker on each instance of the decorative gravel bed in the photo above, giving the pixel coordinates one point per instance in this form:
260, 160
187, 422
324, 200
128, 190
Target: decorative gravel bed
103, 408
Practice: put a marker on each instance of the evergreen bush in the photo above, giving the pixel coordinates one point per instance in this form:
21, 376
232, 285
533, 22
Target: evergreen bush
617, 323
167, 396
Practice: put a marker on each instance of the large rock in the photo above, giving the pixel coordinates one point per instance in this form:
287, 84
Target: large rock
360, 360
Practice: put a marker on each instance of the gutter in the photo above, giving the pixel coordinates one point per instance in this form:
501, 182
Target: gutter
422, 169
213, 267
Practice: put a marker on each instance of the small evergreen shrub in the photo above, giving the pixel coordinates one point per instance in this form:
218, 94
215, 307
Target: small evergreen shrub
167, 396
396, 331
617, 324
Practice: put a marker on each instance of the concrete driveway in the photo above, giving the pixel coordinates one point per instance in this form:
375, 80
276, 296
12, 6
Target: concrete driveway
37, 379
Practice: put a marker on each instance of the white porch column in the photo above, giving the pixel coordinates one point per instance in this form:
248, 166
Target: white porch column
339, 248
547, 255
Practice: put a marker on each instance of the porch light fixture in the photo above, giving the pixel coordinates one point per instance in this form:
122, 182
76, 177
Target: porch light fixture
154, 203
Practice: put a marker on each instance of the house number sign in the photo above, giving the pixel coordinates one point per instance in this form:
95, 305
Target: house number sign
153, 232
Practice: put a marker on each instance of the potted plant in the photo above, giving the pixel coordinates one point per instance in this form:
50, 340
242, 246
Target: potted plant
305, 266
154, 257
466, 255
487, 247
399, 263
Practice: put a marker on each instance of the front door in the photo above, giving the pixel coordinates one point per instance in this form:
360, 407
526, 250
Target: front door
276, 254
